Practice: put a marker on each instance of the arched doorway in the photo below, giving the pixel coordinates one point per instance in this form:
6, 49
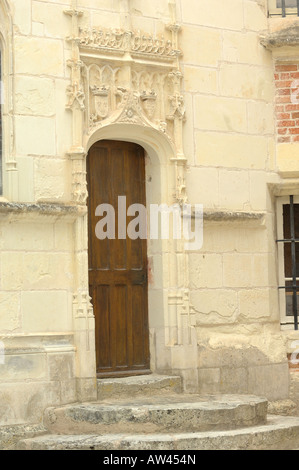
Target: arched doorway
117, 263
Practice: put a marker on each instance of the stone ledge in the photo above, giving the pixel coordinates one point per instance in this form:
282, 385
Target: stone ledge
45, 209
284, 37
233, 215
215, 215
38, 343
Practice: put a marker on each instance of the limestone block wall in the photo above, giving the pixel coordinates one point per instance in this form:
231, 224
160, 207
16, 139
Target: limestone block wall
36, 326
42, 124
229, 83
37, 245
229, 142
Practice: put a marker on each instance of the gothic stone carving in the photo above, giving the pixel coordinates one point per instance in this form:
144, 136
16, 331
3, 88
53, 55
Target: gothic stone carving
151, 95
124, 76
119, 41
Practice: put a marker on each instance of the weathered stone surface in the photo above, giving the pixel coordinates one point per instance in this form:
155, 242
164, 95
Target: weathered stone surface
282, 408
181, 412
278, 434
10, 435
144, 385
164, 422
284, 37
214, 116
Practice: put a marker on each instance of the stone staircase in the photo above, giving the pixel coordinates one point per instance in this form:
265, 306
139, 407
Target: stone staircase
151, 413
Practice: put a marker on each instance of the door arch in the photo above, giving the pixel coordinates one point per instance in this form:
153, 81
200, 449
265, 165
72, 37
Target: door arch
118, 265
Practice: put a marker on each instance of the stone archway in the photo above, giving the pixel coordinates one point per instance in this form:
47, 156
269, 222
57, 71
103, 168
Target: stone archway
117, 259
132, 92
159, 178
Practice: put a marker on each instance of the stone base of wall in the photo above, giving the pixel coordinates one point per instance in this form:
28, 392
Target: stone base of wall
37, 371
233, 364
294, 389
40, 371
269, 380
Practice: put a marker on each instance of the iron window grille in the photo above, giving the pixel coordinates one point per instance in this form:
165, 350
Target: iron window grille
283, 7
1, 127
288, 248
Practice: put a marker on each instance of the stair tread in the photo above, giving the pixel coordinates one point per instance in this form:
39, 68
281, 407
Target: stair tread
139, 379
158, 414
172, 440
174, 401
138, 385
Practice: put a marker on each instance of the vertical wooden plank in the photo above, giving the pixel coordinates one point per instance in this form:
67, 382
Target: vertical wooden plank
98, 188
103, 326
118, 180
121, 325
138, 322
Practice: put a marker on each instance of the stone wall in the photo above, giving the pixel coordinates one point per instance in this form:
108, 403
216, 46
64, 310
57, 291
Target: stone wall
224, 295
233, 279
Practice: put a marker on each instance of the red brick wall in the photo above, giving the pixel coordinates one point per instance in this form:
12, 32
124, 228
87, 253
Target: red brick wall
287, 102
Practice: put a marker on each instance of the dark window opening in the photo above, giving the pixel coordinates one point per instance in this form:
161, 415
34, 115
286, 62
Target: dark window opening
284, 5
288, 3
1, 109
291, 258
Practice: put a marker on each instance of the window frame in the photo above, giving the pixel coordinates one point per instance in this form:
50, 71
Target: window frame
2, 101
286, 321
273, 10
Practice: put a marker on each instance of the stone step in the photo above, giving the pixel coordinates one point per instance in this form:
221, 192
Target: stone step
180, 412
279, 433
142, 385
11, 434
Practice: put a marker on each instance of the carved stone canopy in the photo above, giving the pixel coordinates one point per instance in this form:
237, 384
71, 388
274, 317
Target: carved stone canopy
126, 77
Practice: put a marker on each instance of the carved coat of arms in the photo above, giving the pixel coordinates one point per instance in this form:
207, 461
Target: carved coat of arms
101, 101
149, 101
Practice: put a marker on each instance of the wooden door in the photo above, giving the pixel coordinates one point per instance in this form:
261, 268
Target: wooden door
118, 267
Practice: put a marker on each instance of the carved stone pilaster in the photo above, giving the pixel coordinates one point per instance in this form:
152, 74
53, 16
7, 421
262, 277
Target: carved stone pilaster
83, 316
82, 306
79, 182
177, 115
180, 171
84, 338
76, 104
76, 97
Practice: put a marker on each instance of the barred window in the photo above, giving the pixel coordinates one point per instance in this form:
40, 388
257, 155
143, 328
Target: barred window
288, 252
288, 3
1, 109
283, 7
